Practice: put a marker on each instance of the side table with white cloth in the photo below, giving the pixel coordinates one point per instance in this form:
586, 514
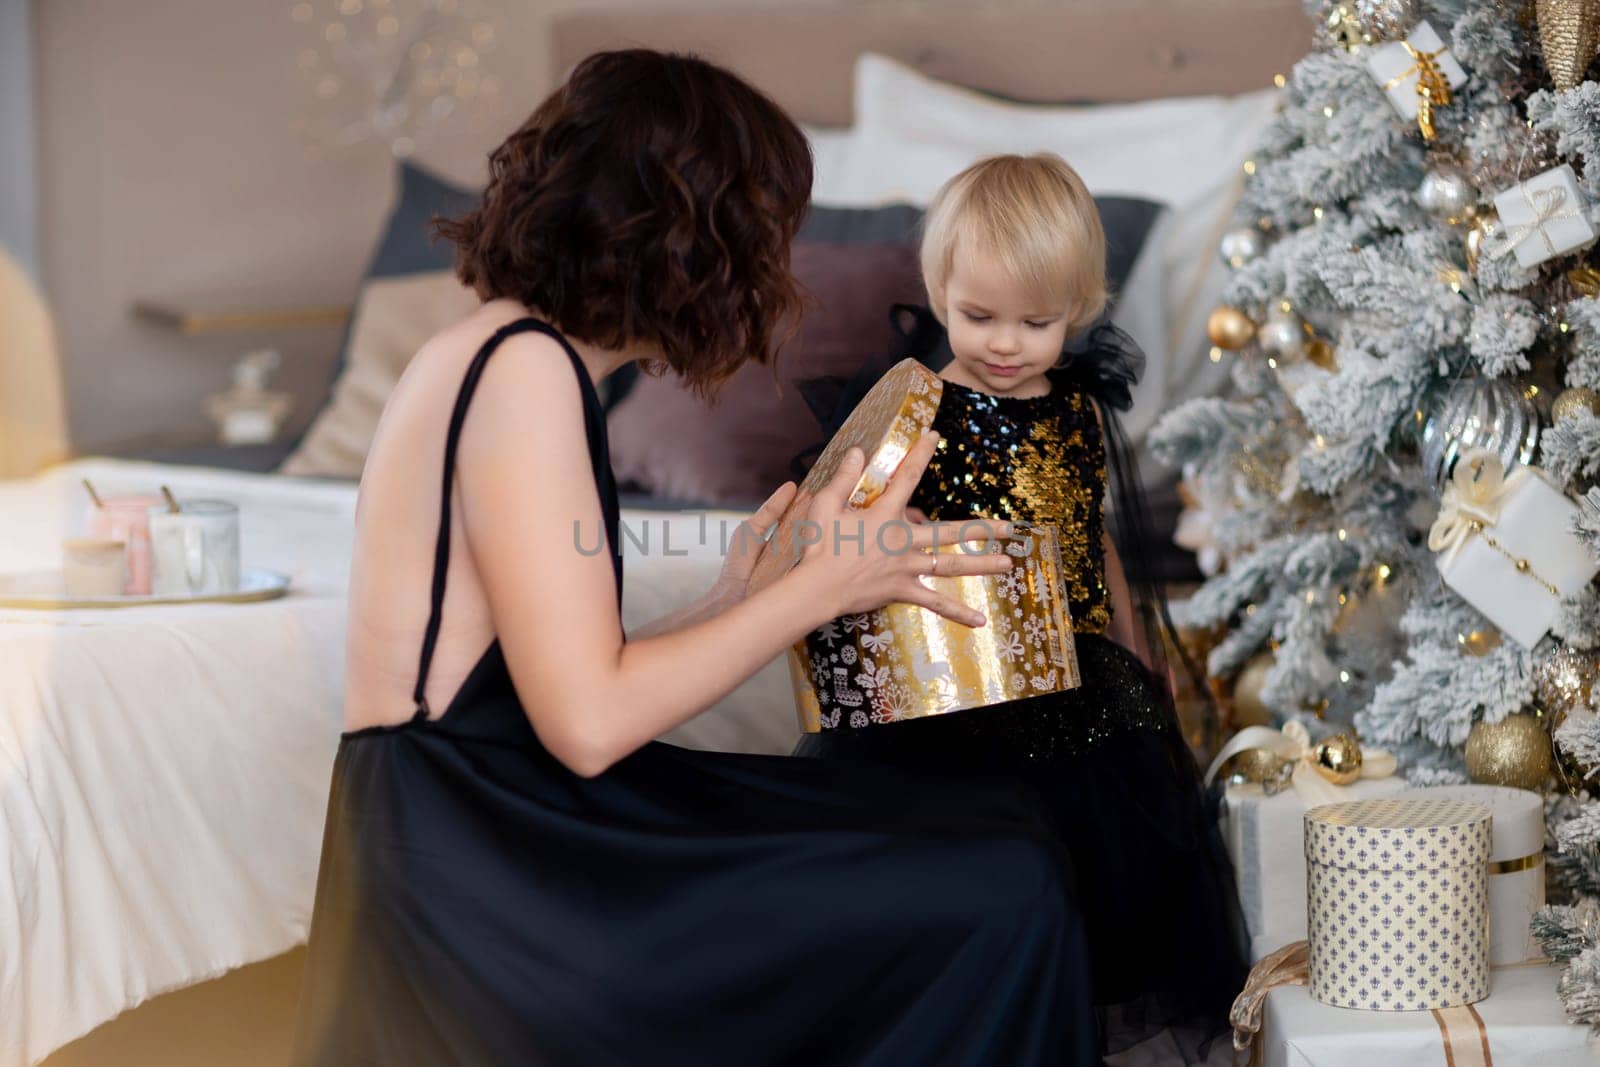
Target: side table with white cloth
164, 769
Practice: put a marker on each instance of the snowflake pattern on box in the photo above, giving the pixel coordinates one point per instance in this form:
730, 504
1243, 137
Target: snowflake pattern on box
1398, 903
906, 662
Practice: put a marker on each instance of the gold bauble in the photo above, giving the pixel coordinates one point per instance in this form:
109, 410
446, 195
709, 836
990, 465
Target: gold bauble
1569, 32
1338, 759
1572, 775
1477, 234
1319, 352
1586, 280
1260, 766
1248, 710
1479, 642
1570, 402
1514, 751
1563, 682
1230, 328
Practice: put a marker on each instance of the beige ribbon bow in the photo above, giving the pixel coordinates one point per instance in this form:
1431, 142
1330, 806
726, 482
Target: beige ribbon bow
1293, 742
1473, 499
1548, 205
1287, 966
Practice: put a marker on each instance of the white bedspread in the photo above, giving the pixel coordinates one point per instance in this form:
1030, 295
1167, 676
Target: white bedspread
164, 770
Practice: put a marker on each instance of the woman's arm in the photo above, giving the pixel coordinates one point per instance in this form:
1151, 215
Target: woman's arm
744, 548
710, 603
535, 529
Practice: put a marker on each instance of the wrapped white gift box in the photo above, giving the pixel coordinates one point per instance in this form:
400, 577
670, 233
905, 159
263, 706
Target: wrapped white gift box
1397, 70
1398, 903
1520, 1024
1265, 837
1516, 865
1541, 218
1505, 545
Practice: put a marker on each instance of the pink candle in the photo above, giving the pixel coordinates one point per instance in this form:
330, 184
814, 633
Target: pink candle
126, 518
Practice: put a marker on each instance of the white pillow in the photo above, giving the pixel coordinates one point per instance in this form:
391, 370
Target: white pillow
1173, 150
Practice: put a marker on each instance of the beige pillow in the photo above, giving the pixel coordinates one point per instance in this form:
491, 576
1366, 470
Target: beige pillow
393, 318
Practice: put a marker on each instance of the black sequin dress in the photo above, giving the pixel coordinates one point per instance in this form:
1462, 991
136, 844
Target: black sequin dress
1108, 757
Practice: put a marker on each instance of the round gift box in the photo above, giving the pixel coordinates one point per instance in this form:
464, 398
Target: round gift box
1516, 865
904, 661
1397, 903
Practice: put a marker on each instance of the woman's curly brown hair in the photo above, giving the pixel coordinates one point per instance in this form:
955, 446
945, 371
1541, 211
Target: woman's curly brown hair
652, 198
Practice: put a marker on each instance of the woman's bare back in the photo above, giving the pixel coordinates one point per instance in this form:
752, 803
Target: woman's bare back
396, 522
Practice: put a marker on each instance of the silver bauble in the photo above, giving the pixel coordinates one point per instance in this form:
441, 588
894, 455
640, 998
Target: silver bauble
1240, 246
1487, 413
1447, 195
1283, 335
1386, 20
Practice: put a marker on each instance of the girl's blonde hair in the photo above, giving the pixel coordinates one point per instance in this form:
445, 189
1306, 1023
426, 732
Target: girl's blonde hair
1034, 215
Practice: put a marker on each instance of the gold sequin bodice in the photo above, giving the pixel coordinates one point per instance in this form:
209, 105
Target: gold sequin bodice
1031, 459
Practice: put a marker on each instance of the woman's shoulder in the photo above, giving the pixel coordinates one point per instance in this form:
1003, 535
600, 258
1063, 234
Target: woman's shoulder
451, 351
420, 405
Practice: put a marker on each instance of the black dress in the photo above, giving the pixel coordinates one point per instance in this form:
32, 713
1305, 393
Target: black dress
478, 903
1153, 882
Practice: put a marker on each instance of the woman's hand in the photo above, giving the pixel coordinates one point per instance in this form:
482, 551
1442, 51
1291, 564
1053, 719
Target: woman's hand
744, 548
865, 558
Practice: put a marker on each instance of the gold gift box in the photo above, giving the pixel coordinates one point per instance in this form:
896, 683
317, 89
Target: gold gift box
904, 661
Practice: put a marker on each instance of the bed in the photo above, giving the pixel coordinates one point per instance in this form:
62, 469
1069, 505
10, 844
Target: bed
165, 770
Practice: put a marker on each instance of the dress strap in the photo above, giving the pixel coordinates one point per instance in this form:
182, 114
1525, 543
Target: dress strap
441, 552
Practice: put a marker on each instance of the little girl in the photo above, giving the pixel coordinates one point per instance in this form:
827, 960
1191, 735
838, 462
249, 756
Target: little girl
1013, 259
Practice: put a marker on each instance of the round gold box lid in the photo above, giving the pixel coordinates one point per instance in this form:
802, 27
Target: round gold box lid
898, 410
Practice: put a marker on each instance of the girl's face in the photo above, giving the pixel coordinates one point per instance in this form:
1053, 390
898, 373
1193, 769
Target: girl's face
1003, 338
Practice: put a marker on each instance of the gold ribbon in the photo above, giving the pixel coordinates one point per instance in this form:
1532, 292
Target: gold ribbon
1473, 499
1290, 965
1521, 863
1548, 205
1294, 742
1433, 88
1466, 1039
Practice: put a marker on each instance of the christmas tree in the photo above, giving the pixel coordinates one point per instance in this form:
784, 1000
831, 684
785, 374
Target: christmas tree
1398, 495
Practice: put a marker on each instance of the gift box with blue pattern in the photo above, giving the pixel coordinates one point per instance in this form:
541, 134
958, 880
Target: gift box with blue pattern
1397, 903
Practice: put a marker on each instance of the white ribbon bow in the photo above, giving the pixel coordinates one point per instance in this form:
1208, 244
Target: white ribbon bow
1293, 742
1473, 499
1548, 205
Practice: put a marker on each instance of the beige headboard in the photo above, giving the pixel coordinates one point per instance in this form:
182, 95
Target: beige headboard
1085, 50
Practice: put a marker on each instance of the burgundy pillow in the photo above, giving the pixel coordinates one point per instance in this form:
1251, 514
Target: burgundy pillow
667, 442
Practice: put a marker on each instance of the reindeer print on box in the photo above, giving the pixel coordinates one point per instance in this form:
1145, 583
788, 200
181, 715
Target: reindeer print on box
906, 662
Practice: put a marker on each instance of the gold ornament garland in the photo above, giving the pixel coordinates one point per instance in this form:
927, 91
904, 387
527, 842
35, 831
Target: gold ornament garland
1522, 565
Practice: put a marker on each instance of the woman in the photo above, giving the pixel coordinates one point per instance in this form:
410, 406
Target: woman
513, 871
